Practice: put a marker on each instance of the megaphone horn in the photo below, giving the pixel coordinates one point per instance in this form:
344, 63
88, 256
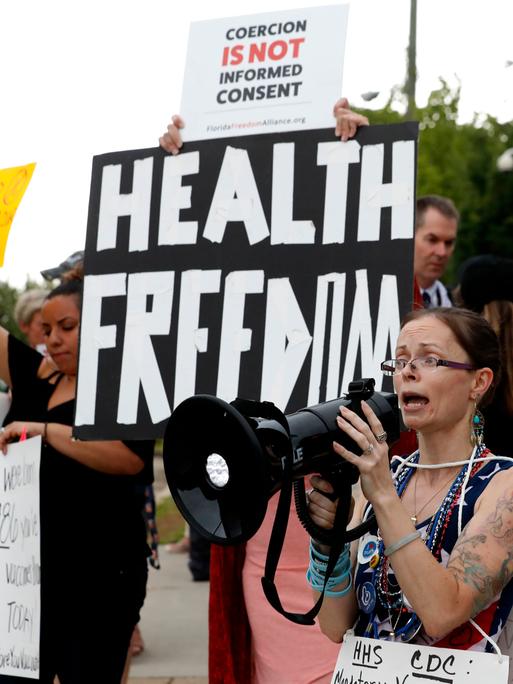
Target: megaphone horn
215, 469
224, 461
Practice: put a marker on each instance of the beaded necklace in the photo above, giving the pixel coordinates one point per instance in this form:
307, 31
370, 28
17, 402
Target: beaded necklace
388, 592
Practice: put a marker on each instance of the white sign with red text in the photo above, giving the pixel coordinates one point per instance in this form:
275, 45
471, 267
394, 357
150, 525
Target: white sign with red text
20, 560
263, 73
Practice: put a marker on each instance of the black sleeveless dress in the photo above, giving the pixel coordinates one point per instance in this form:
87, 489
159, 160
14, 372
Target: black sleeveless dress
93, 544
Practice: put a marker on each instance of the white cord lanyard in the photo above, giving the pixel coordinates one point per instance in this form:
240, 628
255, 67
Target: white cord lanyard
405, 462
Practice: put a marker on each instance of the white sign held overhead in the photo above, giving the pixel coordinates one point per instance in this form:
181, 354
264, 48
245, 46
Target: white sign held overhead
264, 73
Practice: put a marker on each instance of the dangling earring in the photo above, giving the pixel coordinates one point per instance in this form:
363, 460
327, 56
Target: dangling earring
477, 429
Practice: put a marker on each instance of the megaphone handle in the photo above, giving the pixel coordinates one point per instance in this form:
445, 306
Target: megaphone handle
343, 489
321, 534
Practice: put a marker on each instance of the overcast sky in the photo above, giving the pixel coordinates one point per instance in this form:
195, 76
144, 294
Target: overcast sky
83, 78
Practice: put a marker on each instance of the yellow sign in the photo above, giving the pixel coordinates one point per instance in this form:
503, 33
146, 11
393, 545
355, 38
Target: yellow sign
13, 183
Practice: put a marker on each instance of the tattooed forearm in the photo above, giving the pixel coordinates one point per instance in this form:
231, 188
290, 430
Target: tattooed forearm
500, 528
467, 564
468, 568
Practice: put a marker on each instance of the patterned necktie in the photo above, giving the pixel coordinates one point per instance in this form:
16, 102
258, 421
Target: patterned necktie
427, 299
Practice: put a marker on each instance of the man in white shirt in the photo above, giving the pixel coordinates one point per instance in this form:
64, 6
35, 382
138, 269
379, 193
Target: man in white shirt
436, 227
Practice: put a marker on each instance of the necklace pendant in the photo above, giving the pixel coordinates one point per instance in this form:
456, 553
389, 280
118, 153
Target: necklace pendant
413, 518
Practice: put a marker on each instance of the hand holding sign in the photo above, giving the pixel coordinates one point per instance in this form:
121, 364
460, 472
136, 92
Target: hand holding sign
347, 124
19, 431
347, 121
172, 141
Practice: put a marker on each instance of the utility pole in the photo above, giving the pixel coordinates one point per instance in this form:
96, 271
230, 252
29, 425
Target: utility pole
411, 75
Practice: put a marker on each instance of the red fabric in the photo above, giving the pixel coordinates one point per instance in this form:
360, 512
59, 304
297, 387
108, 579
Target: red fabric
229, 646
465, 636
418, 302
406, 444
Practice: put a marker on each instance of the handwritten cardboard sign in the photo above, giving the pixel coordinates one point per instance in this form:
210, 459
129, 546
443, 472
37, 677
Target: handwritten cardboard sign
20, 560
363, 661
263, 73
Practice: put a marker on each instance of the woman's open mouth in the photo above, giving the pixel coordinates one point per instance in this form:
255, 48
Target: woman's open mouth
411, 401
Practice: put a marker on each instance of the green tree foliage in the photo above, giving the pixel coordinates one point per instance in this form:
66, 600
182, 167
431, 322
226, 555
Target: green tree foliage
8, 297
460, 162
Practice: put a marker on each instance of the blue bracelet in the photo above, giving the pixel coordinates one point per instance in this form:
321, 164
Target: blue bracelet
320, 573
316, 579
342, 592
318, 565
321, 561
318, 585
316, 573
317, 582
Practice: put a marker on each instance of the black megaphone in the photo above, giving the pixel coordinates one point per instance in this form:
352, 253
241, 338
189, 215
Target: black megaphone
224, 461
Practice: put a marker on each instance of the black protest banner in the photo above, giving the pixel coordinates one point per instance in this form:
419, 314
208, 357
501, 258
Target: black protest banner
273, 267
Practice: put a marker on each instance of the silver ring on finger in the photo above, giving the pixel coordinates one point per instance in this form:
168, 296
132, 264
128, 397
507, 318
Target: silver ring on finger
368, 451
382, 437
2, 429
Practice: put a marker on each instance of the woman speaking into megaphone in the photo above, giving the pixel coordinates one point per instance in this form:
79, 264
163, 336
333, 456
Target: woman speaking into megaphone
440, 558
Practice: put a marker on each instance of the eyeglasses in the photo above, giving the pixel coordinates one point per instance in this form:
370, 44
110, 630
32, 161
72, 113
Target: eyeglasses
429, 363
